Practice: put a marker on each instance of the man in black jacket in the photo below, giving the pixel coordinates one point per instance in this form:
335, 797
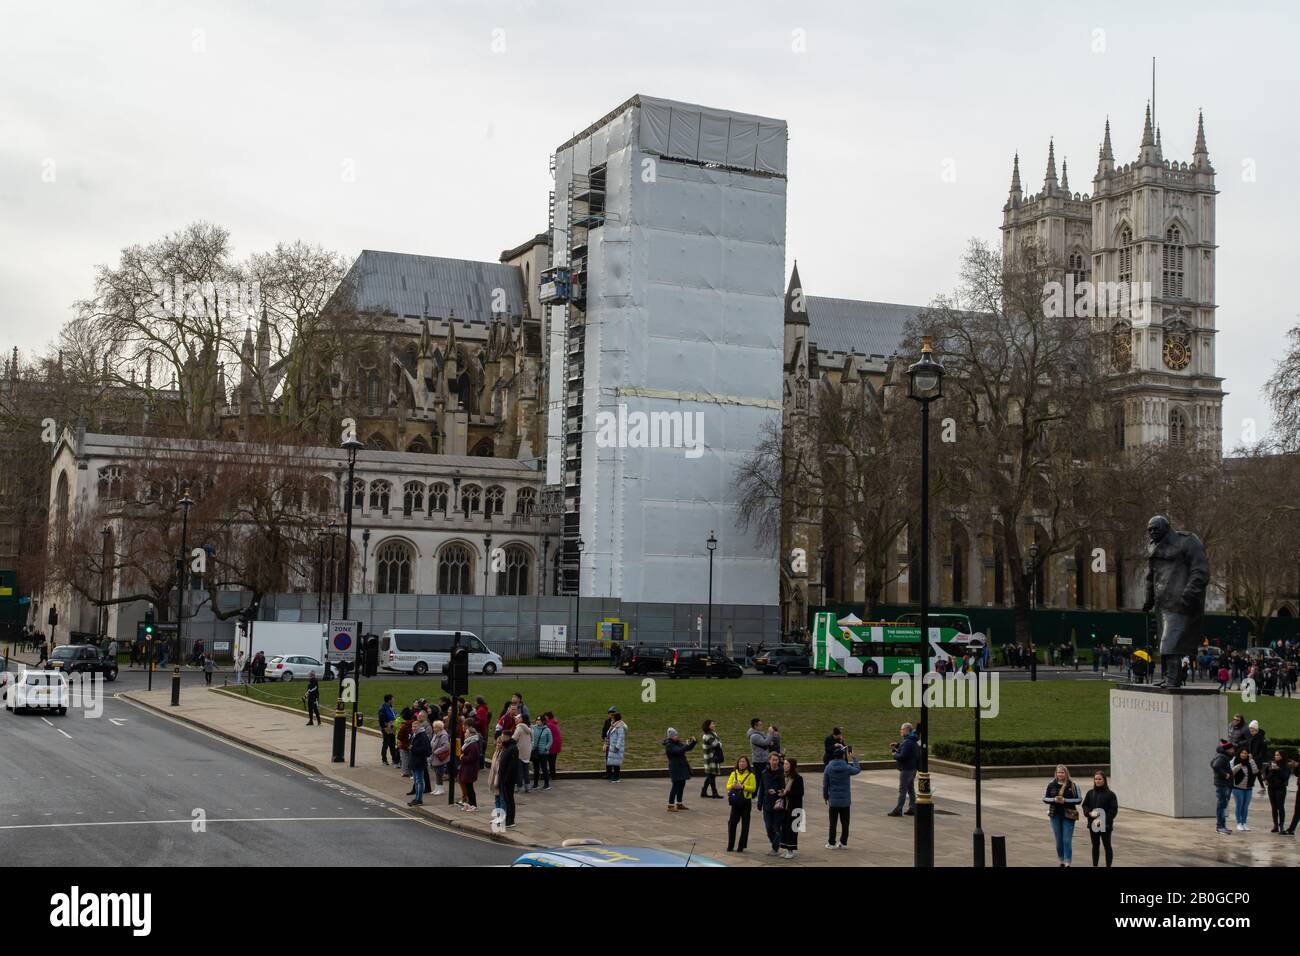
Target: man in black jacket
907, 754
507, 776
836, 739
1221, 765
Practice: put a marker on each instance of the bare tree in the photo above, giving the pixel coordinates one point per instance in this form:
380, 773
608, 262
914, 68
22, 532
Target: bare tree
1283, 391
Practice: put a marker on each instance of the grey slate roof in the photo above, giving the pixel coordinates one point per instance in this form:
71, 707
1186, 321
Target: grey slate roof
854, 327
405, 284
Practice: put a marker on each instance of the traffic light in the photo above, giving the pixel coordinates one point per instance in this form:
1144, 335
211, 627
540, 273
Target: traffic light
455, 673
148, 623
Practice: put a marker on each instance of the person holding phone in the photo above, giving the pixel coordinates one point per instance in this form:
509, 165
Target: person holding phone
837, 791
741, 787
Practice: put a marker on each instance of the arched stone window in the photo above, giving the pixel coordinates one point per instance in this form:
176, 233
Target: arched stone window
61, 509
1126, 255
110, 482
394, 568
483, 449
438, 498
471, 499
380, 493
1172, 262
378, 442
373, 386
321, 494
1077, 265
494, 501
455, 570
412, 498
526, 502
418, 445
1177, 429
514, 579
358, 493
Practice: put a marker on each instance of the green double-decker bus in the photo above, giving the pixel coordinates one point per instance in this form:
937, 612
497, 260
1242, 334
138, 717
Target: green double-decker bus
853, 646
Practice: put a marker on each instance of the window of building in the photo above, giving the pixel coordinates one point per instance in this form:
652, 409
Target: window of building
358, 493
494, 501
514, 579
526, 502
110, 482
1173, 262
412, 498
393, 564
1078, 267
438, 498
380, 493
471, 499
1126, 255
454, 566
1177, 429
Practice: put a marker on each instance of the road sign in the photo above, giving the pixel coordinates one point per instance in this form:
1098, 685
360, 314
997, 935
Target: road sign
342, 640
1124, 640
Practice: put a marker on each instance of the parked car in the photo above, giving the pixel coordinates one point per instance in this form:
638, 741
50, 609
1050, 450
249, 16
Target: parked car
698, 662
644, 658
33, 689
82, 659
295, 665
590, 853
785, 658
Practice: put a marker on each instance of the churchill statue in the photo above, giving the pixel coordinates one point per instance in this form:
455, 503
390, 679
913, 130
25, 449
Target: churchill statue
1177, 575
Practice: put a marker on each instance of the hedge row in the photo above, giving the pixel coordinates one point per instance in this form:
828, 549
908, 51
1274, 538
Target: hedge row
1005, 754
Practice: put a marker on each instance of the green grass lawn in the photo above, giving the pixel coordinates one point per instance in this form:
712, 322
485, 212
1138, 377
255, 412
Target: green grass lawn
804, 709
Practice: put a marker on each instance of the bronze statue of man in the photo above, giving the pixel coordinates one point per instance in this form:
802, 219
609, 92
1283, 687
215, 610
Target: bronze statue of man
1177, 575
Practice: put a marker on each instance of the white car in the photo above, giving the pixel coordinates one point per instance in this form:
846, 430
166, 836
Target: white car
44, 690
293, 665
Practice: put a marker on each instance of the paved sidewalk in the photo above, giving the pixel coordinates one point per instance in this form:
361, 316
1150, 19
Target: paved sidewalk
633, 811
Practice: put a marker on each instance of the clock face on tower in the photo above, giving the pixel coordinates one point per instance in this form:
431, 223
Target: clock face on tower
1177, 350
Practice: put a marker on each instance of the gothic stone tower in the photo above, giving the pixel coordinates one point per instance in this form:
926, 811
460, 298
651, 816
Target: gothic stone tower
1148, 226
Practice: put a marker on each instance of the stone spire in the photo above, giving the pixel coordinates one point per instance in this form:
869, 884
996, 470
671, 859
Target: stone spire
1200, 154
1106, 153
1148, 133
1065, 176
1049, 181
1015, 176
796, 304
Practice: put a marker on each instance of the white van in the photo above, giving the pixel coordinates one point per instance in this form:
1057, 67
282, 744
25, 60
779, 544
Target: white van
421, 652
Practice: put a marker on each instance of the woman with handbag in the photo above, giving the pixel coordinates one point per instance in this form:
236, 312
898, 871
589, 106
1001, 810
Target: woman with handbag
741, 787
1063, 799
713, 758
792, 817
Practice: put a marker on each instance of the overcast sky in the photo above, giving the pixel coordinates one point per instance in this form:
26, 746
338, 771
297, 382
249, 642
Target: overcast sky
147, 116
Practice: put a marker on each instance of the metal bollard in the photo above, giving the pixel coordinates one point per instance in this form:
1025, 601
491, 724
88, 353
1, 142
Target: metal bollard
979, 848
999, 851
575, 660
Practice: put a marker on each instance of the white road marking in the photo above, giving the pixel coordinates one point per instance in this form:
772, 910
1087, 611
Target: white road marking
118, 721
66, 734
187, 820
47, 721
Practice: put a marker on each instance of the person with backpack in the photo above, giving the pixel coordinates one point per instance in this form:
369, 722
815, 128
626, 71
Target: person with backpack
1221, 767
837, 791
387, 727
1100, 807
711, 744
741, 787
679, 768
1063, 798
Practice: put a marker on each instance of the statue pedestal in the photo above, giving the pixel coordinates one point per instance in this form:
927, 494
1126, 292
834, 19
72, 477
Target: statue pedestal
1161, 743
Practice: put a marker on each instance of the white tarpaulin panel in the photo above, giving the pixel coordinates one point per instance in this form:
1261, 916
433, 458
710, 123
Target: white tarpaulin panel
704, 135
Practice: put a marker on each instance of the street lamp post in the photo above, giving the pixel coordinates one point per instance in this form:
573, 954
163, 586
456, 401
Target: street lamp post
103, 571
546, 547
712, 545
186, 504
365, 558
333, 531
979, 778
924, 385
320, 574
352, 446
577, 591
487, 562
1033, 603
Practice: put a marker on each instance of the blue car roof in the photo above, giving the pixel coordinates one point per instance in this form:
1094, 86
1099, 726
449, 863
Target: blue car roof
601, 855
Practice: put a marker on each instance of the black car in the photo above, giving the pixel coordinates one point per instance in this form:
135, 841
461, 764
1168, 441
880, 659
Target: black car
83, 659
698, 662
785, 658
644, 658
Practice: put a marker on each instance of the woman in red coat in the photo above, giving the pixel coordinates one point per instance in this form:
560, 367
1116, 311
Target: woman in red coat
470, 750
